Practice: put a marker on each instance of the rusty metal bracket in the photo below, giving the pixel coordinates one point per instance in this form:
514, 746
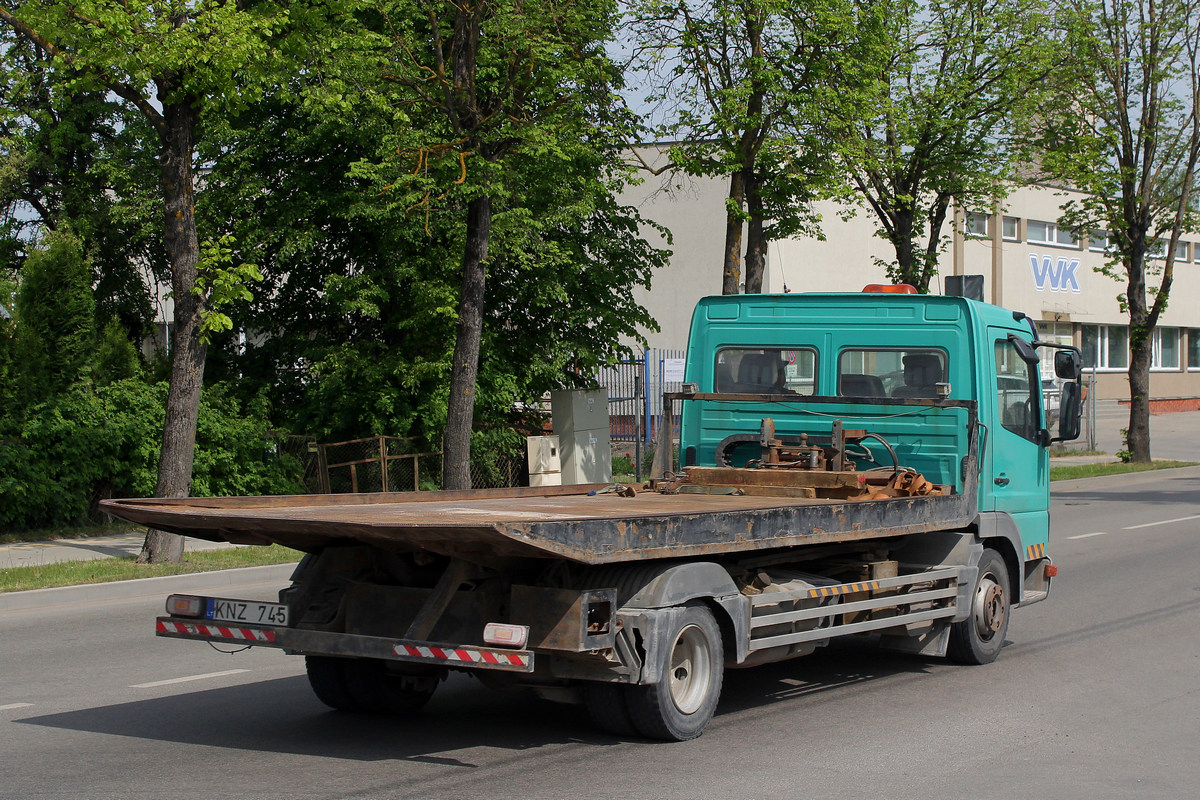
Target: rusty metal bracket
438, 600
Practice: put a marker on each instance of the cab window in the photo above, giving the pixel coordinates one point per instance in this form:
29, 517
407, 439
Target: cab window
1016, 392
890, 372
766, 370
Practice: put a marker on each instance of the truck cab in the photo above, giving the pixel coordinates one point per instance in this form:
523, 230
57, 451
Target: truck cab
872, 351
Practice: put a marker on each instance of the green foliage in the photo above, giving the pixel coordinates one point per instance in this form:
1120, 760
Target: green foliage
90, 443
68, 156
937, 121
55, 312
116, 356
220, 283
739, 85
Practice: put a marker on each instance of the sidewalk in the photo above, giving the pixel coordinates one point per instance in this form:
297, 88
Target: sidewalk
54, 551
1174, 436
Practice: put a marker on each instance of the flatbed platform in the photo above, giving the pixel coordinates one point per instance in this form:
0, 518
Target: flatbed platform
547, 522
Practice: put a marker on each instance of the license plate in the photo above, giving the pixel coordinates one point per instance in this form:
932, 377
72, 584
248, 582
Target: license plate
250, 611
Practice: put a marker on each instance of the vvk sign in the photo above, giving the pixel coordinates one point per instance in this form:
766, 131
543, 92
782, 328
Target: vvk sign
1058, 275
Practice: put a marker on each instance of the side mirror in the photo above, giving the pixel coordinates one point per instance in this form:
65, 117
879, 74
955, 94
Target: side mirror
1070, 410
1068, 364
1024, 349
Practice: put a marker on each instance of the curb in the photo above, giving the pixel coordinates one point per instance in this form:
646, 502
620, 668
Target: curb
144, 588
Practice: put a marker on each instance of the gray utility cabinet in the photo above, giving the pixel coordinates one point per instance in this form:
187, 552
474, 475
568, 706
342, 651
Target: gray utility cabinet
581, 424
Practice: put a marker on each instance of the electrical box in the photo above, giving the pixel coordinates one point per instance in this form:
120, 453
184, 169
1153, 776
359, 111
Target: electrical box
545, 462
581, 424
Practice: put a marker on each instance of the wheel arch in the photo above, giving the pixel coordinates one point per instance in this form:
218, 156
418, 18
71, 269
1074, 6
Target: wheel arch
998, 531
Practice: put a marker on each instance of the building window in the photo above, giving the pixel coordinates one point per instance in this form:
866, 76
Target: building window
1157, 249
977, 225
1181, 251
1009, 231
1165, 351
1105, 346
1193, 338
1099, 242
1038, 232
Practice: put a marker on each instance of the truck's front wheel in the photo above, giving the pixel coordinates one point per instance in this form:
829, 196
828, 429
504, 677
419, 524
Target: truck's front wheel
978, 638
681, 704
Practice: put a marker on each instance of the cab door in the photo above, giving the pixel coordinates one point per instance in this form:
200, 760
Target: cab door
1017, 467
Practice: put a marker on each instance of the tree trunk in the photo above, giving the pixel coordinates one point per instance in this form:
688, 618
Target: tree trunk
902, 239
730, 275
756, 243
187, 350
937, 218
456, 444
1139, 396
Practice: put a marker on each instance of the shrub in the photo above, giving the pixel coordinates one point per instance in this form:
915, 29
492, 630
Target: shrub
92, 443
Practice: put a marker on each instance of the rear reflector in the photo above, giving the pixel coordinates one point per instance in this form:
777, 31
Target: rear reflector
1051, 571
185, 605
502, 635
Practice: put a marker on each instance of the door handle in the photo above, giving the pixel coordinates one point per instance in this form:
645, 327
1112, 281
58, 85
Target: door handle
1001, 481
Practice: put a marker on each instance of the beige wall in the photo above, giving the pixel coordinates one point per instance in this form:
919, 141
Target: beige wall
846, 260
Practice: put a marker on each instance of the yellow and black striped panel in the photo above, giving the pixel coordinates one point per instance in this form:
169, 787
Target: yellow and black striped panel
1035, 551
846, 588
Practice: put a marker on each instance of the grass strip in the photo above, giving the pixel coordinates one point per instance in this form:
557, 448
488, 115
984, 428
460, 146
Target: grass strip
107, 570
1066, 473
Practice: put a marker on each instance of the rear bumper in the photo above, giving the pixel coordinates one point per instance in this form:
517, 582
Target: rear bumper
327, 643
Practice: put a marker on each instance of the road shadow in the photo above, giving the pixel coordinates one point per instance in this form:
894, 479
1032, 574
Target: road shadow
282, 715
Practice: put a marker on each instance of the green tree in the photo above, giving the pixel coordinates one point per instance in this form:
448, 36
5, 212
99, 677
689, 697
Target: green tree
55, 334
495, 93
1125, 130
741, 83
176, 64
937, 124
68, 156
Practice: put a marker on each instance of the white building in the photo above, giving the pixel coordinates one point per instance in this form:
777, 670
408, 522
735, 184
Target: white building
1027, 263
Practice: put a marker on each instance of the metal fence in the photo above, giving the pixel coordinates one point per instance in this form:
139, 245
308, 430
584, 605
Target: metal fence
635, 390
396, 464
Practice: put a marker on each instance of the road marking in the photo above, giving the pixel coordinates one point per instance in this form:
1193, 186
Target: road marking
1164, 522
1089, 535
11, 706
153, 684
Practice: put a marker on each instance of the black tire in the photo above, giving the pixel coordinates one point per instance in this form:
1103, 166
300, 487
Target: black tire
327, 677
608, 706
366, 684
978, 639
692, 665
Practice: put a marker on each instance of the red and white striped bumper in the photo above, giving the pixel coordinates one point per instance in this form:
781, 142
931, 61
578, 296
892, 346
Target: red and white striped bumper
328, 643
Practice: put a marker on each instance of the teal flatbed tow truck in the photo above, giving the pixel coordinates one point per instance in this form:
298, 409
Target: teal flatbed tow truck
851, 464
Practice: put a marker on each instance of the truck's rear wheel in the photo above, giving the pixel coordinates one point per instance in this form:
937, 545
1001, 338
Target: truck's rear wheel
327, 677
608, 706
681, 704
366, 684
978, 638
375, 688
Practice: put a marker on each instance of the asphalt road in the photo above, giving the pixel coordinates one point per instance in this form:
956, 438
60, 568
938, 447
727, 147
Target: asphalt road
1097, 695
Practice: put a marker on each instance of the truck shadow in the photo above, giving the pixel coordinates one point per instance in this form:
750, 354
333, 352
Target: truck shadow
282, 716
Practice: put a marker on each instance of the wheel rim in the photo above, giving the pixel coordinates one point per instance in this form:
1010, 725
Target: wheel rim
691, 669
991, 609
